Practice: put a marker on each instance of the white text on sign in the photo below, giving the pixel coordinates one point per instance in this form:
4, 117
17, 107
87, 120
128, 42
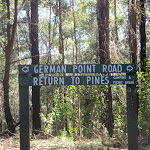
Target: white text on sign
91, 68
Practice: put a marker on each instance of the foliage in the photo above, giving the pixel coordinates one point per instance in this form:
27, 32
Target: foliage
144, 102
59, 104
71, 132
48, 121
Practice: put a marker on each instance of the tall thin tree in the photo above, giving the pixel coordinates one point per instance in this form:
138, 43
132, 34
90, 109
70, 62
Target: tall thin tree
74, 37
11, 31
116, 31
0, 109
104, 49
116, 55
36, 121
49, 34
143, 35
61, 58
132, 100
61, 43
133, 48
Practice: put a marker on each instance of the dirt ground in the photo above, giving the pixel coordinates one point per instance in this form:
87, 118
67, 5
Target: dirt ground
13, 143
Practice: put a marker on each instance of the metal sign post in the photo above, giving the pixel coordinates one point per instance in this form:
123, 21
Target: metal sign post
25, 81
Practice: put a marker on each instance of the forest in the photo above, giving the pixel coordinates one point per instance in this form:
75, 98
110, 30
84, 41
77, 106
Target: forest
60, 32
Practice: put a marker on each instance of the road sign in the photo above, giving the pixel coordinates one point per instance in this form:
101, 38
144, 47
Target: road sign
75, 80
26, 80
77, 68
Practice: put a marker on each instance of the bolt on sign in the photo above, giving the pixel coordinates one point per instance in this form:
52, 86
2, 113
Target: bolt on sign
29, 76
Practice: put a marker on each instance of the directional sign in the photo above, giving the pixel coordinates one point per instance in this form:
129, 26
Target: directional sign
28, 77
76, 80
77, 68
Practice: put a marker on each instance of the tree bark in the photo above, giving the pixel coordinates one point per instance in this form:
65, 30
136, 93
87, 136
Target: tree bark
133, 49
103, 29
49, 37
76, 49
36, 120
8, 51
0, 109
61, 44
18, 46
129, 26
28, 12
61, 58
132, 95
143, 35
116, 53
116, 30
104, 48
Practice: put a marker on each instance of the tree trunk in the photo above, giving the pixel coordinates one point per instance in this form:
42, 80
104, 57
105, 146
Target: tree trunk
18, 46
104, 48
8, 116
28, 12
129, 26
133, 39
8, 51
116, 30
61, 58
36, 120
76, 49
143, 35
103, 29
132, 95
0, 109
116, 53
73, 45
61, 44
49, 37
133, 49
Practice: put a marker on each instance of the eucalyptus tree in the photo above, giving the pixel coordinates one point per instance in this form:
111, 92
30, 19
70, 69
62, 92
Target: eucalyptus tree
0, 108
133, 32
10, 39
2, 33
143, 35
36, 120
143, 110
61, 41
104, 49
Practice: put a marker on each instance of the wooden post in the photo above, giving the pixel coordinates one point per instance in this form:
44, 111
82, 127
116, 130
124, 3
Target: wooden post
24, 118
132, 116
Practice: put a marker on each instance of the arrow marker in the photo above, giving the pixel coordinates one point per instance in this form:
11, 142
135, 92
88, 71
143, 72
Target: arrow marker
129, 68
25, 69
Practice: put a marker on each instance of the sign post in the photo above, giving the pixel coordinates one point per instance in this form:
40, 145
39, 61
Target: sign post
25, 81
24, 117
132, 116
